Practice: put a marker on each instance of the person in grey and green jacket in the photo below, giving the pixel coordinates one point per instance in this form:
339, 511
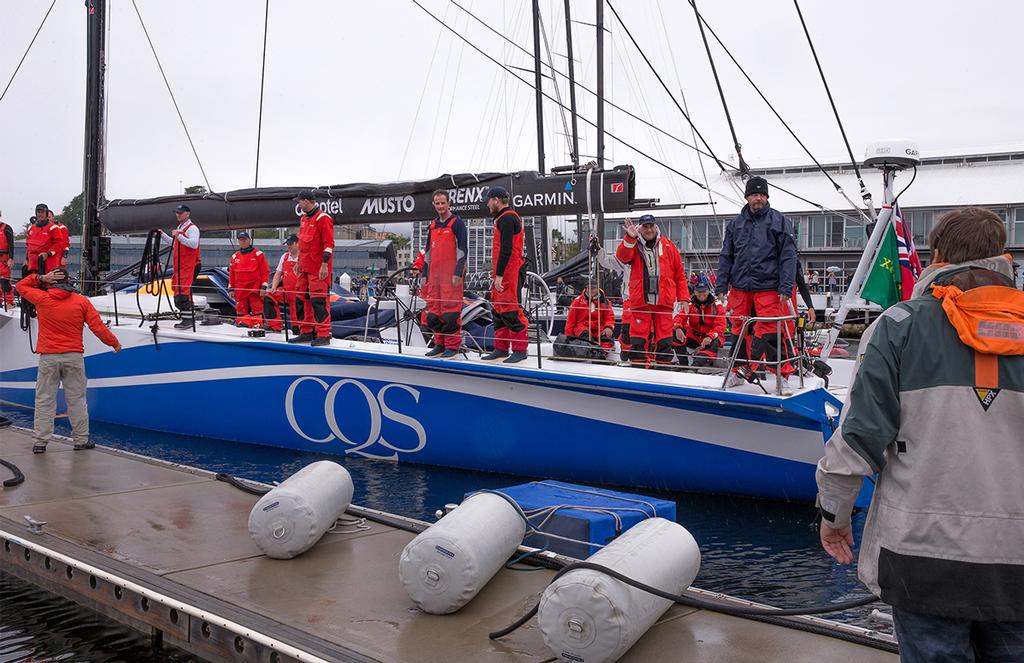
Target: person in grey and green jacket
936, 411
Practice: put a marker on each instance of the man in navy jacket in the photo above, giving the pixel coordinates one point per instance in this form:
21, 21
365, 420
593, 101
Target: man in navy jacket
757, 267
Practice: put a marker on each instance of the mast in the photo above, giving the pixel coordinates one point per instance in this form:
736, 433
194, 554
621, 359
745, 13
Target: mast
93, 167
599, 23
572, 111
541, 222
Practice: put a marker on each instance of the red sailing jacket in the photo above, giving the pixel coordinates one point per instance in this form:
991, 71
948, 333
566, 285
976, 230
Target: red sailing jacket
64, 241
316, 237
62, 314
704, 319
586, 315
672, 286
6, 249
248, 270
39, 240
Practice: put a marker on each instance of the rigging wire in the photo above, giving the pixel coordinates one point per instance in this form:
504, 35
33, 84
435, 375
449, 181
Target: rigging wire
171, 92
629, 34
831, 101
451, 107
263, 75
838, 187
25, 54
419, 104
552, 99
587, 89
554, 82
744, 168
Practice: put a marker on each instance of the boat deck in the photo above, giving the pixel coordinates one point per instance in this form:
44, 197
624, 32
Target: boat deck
165, 549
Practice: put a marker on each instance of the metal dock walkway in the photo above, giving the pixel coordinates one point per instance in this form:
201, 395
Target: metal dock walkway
165, 548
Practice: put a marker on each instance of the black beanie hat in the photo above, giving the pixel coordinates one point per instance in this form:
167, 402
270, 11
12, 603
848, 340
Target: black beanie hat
756, 185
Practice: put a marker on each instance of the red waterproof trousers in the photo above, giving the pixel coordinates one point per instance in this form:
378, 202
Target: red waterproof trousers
650, 326
759, 340
313, 291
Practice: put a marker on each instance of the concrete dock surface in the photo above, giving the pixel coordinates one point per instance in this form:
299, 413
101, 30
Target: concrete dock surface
178, 533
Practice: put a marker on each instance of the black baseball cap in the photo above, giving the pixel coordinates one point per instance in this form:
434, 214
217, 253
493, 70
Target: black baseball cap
182, 208
496, 192
291, 239
244, 235
42, 206
305, 194
647, 219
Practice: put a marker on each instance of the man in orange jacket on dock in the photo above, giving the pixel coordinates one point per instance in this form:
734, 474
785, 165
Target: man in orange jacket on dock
247, 273
62, 314
657, 281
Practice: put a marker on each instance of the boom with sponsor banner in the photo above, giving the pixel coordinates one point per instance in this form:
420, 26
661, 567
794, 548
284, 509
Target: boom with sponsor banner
533, 194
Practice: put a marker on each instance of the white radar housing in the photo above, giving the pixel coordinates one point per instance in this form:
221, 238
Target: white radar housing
892, 154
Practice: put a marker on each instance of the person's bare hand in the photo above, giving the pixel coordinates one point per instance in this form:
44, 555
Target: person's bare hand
783, 298
679, 334
52, 277
117, 348
705, 342
811, 315
499, 284
837, 543
630, 228
322, 274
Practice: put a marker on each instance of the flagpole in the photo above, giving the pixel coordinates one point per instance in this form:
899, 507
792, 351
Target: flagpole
867, 259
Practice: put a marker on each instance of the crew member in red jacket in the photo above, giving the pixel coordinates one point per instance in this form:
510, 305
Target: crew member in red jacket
316, 253
247, 273
657, 281
507, 256
591, 317
42, 244
282, 290
702, 330
62, 314
443, 263
63, 243
186, 261
6, 264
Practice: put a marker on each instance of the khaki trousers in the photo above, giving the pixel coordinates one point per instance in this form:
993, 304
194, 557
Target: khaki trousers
67, 368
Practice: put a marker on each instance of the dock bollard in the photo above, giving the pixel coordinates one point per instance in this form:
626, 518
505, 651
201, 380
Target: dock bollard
292, 517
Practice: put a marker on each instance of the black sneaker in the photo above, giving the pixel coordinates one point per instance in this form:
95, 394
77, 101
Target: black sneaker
448, 354
495, 355
183, 324
321, 340
302, 338
434, 351
38, 448
516, 357
85, 445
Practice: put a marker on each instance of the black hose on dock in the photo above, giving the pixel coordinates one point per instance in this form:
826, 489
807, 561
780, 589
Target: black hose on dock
252, 490
692, 602
18, 476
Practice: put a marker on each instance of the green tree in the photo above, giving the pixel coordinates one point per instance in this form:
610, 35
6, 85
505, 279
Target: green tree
71, 215
400, 241
196, 188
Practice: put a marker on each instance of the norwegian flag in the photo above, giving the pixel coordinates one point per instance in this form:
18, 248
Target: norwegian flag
910, 263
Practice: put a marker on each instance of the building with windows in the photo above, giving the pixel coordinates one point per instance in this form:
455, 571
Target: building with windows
834, 237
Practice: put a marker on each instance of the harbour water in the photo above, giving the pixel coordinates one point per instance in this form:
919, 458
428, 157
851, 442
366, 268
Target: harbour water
755, 549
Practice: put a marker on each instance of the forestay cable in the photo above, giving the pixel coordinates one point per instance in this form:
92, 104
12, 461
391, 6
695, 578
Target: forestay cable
25, 54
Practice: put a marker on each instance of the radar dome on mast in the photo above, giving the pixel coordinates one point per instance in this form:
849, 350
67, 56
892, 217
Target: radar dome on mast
892, 154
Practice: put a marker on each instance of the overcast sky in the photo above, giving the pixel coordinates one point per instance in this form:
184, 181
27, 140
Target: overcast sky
378, 91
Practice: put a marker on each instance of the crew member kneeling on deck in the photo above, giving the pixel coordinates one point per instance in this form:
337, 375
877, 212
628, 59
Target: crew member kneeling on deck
591, 317
757, 267
700, 333
186, 262
282, 290
507, 252
443, 263
657, 281
62, 314
316, 252
247, 274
